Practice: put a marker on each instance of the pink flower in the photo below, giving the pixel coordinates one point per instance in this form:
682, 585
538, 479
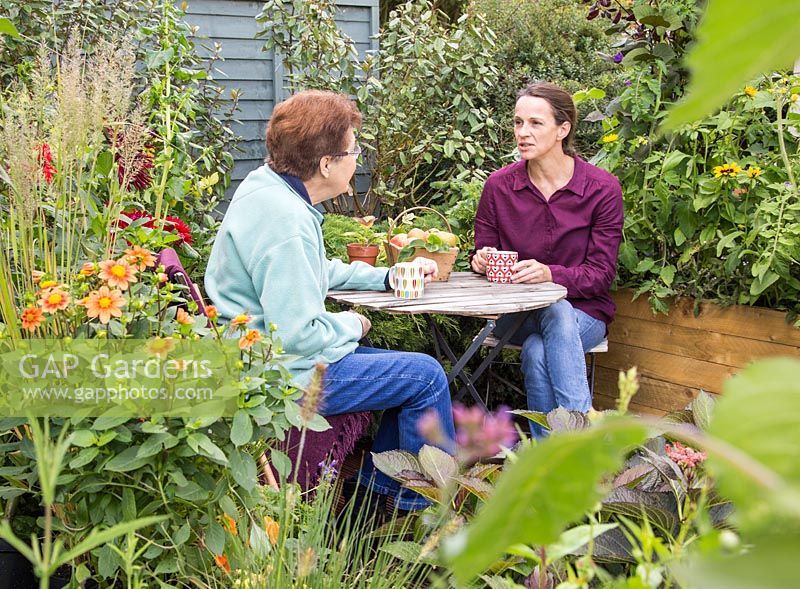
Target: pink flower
480, 434
429, 427
685, 456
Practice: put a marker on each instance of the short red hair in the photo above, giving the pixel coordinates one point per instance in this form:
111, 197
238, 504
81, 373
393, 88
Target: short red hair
307, 126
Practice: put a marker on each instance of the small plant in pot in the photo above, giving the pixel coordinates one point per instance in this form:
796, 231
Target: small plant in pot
365, 248
435, 244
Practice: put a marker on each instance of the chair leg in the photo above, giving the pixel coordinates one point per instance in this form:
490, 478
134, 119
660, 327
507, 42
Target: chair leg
591, 373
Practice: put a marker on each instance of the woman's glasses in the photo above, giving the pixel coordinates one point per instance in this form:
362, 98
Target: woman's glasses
356, 151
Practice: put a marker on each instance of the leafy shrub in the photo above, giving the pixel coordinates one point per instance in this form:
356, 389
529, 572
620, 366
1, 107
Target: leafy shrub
548, 40
192, 137
415, 133
69, 270
712, 209
333, 232
552, 38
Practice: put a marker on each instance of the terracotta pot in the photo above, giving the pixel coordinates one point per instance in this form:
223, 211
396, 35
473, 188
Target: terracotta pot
359, 252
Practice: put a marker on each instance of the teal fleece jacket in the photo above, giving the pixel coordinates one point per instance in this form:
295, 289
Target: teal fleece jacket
269, 260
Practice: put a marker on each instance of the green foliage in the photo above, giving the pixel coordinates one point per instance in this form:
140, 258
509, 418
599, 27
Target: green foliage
192, 137
454, 9
547, 40
414, 133
7, 28
293, 538
756, 403
552, 38
712, 210
769, 564
334, 231
758, 471
547, 487
185, 470
364, 233
749, 39
48, 555
437, 475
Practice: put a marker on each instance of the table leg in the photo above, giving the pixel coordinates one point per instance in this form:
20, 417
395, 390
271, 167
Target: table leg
519, 319
443, 351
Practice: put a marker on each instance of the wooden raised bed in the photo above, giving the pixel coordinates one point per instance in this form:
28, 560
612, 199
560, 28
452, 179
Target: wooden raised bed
679, 354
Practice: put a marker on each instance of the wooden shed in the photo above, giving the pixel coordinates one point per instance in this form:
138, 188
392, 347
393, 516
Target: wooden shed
232, 24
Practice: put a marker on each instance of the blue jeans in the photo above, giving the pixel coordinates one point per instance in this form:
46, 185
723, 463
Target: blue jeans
402, 384
554, 342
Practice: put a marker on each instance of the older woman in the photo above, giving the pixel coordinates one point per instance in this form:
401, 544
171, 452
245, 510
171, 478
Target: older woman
269, 260
564, 217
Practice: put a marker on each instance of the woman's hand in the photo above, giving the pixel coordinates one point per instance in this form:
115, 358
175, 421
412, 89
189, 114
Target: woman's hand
531, 272
479, 259
430, 269
366, 324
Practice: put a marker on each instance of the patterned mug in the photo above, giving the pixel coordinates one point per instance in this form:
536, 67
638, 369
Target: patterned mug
499, 264
407, 279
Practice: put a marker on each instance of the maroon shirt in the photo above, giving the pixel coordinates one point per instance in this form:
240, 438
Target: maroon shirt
576, 233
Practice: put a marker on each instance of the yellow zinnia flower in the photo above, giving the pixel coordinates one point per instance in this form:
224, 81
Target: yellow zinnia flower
750, 91
609, 138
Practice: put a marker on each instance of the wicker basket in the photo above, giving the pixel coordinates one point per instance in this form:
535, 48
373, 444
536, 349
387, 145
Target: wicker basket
444, 260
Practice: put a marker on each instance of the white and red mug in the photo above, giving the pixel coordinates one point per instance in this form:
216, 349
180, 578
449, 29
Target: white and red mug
499, 264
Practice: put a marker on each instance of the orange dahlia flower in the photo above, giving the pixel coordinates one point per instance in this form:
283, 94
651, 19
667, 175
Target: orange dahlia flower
104, 304
249, 339
140, 257
222, 562
88, 269
241, 319
183, 317
272, 528
54, 300
32, 317
229, 524
117, 273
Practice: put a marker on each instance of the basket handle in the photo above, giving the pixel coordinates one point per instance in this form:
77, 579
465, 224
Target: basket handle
393, 222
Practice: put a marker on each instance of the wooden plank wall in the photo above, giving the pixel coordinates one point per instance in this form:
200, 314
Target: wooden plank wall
679, 354
232, 24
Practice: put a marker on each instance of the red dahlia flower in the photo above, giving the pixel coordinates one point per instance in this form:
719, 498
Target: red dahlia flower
172, 224
133, 171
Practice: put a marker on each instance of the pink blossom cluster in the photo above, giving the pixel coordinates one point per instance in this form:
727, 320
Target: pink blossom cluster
684, 455
480, 434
